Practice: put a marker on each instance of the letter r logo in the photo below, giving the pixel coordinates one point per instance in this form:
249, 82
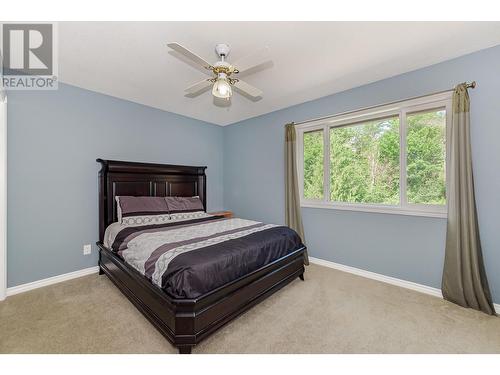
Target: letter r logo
28, 49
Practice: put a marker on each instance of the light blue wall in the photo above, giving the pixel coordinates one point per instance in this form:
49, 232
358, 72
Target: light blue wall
410, 248
54, 138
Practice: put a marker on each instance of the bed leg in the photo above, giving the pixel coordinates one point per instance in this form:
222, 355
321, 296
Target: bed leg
301, 276
185, 349
101, 272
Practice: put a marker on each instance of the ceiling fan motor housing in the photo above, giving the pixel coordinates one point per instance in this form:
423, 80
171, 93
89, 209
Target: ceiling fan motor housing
222, 49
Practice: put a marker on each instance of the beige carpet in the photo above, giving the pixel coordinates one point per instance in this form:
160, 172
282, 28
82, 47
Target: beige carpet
331, 312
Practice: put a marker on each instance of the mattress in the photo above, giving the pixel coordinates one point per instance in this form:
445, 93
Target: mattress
189, 258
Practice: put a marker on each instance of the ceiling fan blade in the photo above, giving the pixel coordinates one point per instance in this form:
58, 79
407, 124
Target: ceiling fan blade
253, 60
190, 55
198, 88
248, 89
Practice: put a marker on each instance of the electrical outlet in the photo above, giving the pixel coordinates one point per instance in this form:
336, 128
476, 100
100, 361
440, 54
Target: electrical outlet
87, 249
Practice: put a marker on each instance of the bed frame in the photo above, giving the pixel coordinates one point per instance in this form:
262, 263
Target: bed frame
184, 322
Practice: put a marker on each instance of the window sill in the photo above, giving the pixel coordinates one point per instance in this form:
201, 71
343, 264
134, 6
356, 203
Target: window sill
374, 209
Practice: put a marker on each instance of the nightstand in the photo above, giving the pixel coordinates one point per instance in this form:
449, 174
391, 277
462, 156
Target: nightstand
226, 214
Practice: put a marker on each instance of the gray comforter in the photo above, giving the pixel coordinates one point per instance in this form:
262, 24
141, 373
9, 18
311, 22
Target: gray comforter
192, 257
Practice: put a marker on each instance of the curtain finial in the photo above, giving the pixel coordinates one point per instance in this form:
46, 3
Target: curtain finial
471, 85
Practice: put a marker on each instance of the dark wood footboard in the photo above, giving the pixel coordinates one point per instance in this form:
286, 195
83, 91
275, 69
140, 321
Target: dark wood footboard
185, 322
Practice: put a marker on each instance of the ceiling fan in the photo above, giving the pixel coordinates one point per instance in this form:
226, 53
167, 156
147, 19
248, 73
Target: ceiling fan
224, 75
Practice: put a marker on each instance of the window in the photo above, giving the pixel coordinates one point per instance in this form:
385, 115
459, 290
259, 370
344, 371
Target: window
426, 155
313, 164
364, 162
386, 159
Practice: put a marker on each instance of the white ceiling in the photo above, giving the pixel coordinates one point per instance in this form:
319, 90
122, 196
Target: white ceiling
130, 60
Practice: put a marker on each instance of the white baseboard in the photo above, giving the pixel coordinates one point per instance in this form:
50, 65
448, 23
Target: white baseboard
51, 280
385, 279
356, 271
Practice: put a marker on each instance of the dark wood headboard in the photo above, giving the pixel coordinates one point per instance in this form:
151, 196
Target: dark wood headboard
144, 179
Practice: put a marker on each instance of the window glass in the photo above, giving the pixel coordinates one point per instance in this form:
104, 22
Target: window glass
313, 164
426, 156
364, 162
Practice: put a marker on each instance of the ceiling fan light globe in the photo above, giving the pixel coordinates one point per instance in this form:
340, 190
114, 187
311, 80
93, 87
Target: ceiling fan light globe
222, 89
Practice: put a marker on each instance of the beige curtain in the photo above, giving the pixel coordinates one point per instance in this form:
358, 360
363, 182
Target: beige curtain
464, 278
293, 217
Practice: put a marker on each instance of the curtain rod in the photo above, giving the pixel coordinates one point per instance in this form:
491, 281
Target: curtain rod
470, 85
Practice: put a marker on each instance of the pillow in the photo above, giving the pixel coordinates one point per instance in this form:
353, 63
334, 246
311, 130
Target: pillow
185, 208
142, 210
184, 204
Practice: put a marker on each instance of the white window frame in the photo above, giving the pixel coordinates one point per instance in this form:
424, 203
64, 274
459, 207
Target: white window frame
435, 101
3, 195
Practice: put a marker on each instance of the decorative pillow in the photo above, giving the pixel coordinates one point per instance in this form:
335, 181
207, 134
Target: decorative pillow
184, 204
142, 210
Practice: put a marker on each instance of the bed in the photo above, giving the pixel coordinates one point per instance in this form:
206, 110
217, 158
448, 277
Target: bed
195, 293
